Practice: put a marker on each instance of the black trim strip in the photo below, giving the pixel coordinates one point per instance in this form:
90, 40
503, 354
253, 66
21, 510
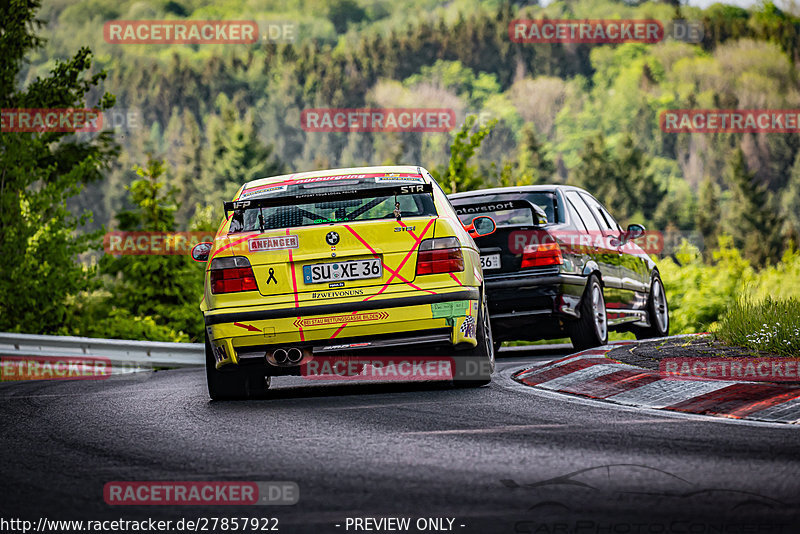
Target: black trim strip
536, 281
219, 318
442, 337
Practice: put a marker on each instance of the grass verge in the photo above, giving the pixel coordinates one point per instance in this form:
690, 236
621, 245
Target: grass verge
769, 325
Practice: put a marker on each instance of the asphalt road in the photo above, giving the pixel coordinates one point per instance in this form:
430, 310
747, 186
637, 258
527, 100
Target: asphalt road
502, 458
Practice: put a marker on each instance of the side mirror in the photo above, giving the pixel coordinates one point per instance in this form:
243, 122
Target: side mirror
481, 226
634, 231
201, 251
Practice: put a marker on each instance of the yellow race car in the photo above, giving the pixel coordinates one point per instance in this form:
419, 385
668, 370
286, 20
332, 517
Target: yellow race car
352, 263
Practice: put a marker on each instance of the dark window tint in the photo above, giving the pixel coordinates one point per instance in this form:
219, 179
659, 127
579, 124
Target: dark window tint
574, 217
606, 220
583, 211
323, 212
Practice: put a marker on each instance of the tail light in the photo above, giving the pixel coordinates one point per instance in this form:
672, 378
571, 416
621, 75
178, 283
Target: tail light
441, 255
231, 275
541, 255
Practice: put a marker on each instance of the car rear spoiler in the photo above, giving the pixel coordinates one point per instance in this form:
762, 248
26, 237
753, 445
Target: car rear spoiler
540, 217
343, 194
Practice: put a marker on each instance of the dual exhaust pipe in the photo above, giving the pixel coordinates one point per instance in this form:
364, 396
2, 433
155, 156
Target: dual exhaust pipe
287, 356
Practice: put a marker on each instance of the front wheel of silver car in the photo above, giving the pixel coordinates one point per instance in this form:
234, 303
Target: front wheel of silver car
591, 329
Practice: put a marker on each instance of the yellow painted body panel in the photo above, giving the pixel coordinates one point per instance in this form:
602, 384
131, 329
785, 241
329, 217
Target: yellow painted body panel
278, 257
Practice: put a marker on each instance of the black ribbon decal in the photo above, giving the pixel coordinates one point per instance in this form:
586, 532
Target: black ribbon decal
272, 276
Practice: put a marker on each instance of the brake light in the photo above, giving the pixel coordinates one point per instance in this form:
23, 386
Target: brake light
441, 255
231, 275
541, 254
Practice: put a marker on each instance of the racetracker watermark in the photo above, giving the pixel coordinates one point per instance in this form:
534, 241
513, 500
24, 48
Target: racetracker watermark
520, 241
50, 120
378, 120
277, 31
205, 493
123, 119
15, 368
585, 31
730, 121
378, 368
153, 243
603, 31
750, 369
180, 32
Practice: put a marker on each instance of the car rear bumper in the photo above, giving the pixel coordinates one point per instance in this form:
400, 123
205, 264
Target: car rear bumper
532, 306
225, 316
411, 321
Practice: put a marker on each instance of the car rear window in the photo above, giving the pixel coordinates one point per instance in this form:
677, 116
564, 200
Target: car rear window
514, 216
320, 211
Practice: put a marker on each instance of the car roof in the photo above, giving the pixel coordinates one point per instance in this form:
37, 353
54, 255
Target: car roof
378, 169
512, 189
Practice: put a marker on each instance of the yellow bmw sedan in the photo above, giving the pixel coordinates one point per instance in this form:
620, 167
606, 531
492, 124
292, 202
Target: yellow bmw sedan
368, 263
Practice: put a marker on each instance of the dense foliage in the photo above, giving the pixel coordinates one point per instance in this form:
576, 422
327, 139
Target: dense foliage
38, 173
218, 115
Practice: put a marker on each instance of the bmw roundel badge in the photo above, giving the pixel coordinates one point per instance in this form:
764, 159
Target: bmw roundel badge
332, 238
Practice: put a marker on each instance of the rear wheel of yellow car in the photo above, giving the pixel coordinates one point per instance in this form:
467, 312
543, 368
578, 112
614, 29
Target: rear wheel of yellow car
474, 368
234, 383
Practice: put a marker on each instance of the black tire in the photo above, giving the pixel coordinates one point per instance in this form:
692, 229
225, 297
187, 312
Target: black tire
474, 367
591, 330
234, 383
657, 312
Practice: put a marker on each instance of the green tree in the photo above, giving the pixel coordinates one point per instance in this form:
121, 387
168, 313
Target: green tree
460, 176
535, 164
188, 168
164, 289
343, 12
635, 177
532, 165
790, 199
753, 217
707, 217
621, 179
597, 173
39, 237
235, 154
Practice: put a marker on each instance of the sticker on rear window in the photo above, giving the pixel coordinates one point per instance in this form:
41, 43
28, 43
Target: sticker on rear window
398, 178
267, 190
284, 242
328, 178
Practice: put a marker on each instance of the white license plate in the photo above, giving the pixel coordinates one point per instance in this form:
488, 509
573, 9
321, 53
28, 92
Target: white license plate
342, 270
489, 262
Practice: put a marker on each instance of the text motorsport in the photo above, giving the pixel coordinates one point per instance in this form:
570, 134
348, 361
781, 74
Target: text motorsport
421, 368
153, 243
377, 120
204, 493
585, 31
